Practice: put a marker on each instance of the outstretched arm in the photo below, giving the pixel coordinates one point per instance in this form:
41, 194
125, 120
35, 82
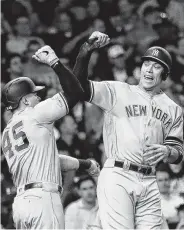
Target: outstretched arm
70, 163
73, 91
80, 70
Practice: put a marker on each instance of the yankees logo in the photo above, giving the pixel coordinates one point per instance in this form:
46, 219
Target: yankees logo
155, 52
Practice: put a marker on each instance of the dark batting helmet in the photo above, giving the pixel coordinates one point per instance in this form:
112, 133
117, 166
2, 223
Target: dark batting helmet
14, 90
160, 55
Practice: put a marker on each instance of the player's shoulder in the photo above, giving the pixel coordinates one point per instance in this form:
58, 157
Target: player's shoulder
117, 84
171, 103
58, 97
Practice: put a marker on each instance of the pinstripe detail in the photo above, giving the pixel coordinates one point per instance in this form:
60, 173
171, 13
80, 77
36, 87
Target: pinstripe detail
92, 91
65, 102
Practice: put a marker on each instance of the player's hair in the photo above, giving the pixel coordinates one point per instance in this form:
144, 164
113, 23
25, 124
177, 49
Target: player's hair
165, 74
85, 178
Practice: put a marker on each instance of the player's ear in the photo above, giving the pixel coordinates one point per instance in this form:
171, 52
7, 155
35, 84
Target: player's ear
24, 100
165, 74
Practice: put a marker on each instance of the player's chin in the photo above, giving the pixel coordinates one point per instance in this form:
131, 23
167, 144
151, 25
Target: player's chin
148, 86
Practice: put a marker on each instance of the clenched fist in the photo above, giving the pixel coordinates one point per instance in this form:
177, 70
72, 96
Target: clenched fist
94, 170
99, 39
46, 55
95, 41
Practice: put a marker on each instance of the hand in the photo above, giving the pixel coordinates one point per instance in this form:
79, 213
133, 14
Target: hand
99, 39
95, 41
155, 153
46, 55
94, 170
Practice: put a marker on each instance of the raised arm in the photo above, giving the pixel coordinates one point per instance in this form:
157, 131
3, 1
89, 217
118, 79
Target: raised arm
80, 70
73, 91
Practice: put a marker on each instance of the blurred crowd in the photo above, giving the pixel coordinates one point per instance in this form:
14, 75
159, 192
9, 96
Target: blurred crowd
133, 26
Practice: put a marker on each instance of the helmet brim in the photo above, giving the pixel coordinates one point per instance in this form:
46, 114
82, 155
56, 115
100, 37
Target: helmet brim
38, 88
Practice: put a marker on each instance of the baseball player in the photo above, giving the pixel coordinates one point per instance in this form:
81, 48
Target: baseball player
29, 146
142, 126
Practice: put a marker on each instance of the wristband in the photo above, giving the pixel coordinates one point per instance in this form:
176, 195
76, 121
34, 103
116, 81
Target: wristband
84, 164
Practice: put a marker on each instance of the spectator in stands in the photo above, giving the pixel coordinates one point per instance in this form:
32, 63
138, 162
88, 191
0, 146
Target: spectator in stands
14, 67
65, 28
116, 55
128, 16
68, 129
69, 143
169, 201
177, 178
38, 72
93, 11
17, 43
13, 10
82, 213
174, 9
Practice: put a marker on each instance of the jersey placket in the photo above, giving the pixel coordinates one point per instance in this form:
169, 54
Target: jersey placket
148, 126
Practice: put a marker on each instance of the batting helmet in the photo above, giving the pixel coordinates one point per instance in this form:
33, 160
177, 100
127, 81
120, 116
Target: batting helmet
160, 55
14, 90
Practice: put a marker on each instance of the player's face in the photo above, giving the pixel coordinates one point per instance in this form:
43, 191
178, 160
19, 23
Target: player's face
88, 191
151, 75
33, 99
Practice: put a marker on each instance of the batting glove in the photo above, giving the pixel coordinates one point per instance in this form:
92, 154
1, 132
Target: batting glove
46, 55
94, 170
100, 39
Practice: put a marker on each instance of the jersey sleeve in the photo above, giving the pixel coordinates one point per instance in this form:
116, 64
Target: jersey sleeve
103, 94
175, 135
51, 109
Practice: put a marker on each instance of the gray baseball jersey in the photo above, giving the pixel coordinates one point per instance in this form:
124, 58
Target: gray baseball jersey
29, 145
132, 119
132, 116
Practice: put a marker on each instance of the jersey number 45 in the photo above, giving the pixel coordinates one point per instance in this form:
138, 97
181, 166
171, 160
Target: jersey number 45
7, 144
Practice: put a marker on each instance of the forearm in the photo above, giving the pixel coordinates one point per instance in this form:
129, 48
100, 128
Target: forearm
70, 84
175, 155
70, 163
80, 70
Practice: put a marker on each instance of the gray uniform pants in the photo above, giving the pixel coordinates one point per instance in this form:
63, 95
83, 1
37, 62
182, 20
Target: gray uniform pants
38, 209
128, 199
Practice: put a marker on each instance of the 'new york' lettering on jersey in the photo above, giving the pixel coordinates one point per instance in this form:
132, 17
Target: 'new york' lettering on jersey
142, 110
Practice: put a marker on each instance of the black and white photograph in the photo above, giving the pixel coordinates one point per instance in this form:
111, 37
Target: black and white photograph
92, 114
